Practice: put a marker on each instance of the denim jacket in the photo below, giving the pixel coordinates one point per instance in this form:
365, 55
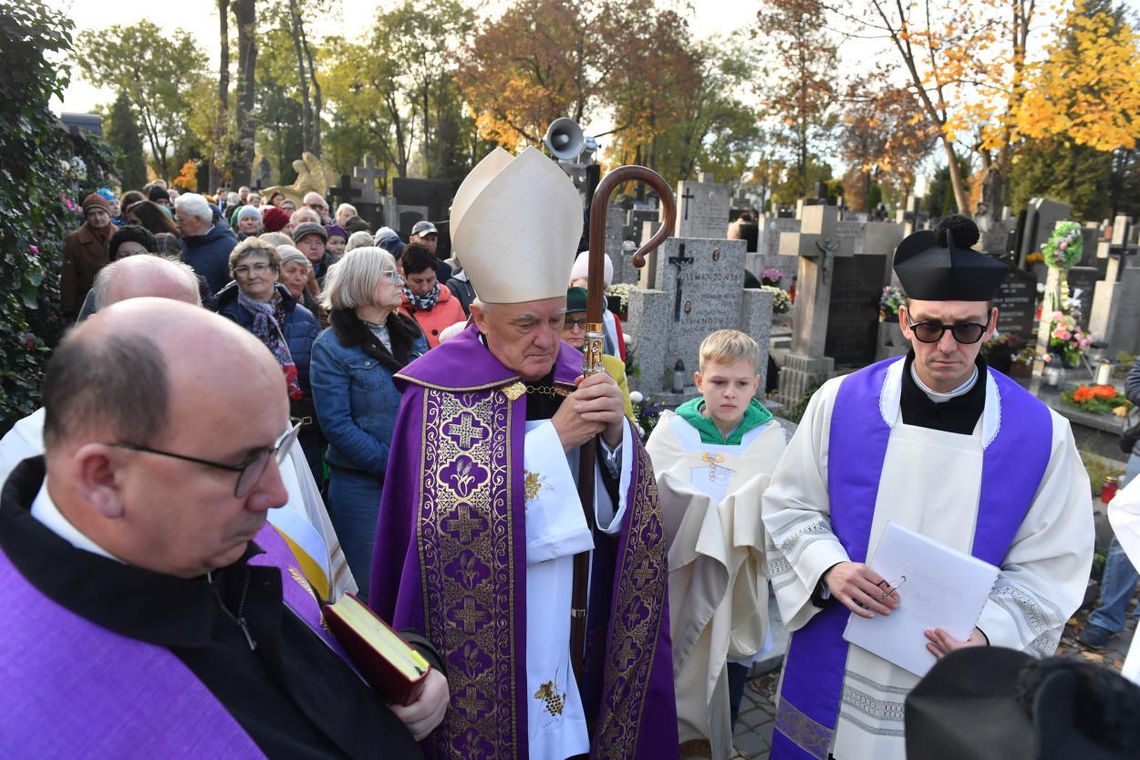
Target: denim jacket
356, 403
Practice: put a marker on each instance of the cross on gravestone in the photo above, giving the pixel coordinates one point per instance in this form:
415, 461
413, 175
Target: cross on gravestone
370, 172
347, 191
679, 261
685, 198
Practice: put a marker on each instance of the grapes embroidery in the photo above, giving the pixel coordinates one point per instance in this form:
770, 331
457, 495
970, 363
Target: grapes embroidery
548, 693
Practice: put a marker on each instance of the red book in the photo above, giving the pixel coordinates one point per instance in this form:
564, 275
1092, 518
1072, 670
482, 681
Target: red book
395, 669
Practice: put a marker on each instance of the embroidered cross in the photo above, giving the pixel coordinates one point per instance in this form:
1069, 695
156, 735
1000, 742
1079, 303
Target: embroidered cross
465, 524
465, 431
626, 655
642, 575
469, 616
471, 703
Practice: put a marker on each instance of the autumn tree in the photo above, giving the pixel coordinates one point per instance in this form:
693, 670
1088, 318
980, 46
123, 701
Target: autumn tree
156, 71
966, 63
1088, 88
801, 95
885, 135
540, 60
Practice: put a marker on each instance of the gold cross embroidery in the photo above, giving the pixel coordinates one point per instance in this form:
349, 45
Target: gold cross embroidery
471, 703
714, 463
469, 616
464, 523
466, 430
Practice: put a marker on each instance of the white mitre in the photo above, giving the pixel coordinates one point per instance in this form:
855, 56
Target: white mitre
516, 223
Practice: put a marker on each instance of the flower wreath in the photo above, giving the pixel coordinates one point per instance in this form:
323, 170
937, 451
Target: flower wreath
1065, 246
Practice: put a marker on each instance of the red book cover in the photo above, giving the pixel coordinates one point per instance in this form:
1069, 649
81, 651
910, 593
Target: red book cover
393, 667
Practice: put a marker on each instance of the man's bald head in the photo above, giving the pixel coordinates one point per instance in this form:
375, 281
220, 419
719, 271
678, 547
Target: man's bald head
117, 374
137, 276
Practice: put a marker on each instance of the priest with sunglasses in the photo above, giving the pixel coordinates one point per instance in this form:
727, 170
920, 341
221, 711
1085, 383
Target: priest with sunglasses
938, 443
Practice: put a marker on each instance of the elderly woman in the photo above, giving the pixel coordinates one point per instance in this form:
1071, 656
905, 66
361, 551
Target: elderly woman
85, 253
354, 360
257, 302
344, 212
248, 222
297, 276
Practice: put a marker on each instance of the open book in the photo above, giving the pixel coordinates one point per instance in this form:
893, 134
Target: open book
395, 670
937, 586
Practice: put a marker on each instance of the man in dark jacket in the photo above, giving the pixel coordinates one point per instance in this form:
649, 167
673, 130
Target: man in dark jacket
198, 634
206, 244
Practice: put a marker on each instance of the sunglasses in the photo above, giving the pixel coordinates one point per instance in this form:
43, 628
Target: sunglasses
963, 332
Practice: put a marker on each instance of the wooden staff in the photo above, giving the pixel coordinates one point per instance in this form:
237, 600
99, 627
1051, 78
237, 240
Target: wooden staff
592, 362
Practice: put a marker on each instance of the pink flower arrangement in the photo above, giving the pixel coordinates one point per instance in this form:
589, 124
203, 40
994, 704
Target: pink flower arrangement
1067, 338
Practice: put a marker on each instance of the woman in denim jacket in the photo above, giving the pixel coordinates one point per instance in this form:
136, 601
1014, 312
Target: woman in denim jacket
353, 362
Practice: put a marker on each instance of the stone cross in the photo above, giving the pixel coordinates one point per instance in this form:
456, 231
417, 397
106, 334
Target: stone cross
685, 198
370, 172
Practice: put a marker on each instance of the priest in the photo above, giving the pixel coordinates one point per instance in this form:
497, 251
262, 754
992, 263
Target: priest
940, 444
480, 517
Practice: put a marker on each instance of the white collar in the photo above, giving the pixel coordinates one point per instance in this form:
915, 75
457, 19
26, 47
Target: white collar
939, 397
45, 510
890, 397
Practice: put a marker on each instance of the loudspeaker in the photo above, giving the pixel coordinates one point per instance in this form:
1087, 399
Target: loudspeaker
564, 139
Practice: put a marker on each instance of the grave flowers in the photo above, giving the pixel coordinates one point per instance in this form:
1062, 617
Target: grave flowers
889, 303
781, 301
1099, 399
771, 276
1066, 339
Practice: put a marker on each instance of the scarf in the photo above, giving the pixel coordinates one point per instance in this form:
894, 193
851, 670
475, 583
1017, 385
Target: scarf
403, 331
267, 321
422, 303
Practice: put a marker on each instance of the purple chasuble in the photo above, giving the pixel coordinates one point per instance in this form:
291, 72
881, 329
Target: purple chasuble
450, 560
1012, 467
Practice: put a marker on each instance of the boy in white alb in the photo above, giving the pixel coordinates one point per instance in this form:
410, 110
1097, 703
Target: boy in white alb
713, 459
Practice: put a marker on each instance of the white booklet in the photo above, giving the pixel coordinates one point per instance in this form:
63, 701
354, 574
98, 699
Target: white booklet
938, 587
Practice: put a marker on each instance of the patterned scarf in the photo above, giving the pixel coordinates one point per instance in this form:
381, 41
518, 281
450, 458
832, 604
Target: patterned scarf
422, 303
267, 321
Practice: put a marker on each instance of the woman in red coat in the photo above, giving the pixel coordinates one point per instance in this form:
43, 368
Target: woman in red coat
84, 254
425, 300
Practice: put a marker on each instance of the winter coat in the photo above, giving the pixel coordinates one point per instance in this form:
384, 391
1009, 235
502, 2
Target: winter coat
209, 254
84, 255
445, 313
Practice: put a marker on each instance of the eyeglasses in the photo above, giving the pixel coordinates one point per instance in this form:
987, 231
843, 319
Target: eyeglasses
963, 332
392, 274
570, 324
250, 470
317, 206
244, 271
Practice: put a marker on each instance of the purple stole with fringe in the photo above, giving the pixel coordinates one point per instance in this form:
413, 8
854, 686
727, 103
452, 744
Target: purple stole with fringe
79, 689
1012, 467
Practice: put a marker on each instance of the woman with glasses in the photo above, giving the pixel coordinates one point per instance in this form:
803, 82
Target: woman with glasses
257, 302
574, 333
354, 359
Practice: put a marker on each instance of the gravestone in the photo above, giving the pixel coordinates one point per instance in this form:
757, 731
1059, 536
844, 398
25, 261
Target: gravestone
1041, 217
1016, 302
637, 217
368, 175
911, 216
1082, 284
853, 310
353, 193
420, 199
702, 209
697, 292
624, 270
1115, 313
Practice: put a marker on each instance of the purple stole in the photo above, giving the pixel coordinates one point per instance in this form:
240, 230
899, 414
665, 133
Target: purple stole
76, 688
1012, 467
450, 560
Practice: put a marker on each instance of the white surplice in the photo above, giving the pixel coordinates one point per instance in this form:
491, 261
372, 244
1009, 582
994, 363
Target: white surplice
1124, 516
718, 591
555, 531
930, 483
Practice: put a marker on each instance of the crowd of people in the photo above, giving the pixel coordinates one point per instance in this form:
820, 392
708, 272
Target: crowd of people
265, 406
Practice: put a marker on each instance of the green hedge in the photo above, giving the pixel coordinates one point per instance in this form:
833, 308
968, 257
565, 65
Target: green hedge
43, 170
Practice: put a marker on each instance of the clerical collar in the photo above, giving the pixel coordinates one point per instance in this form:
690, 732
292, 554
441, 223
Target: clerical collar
941, 398
45, 510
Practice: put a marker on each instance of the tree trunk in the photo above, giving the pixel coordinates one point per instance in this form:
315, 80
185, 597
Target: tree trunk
960, 198
245, 12
217, 151
315, 116
302, 80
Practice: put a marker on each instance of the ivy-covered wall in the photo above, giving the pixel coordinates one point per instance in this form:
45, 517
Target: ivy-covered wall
44, 172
